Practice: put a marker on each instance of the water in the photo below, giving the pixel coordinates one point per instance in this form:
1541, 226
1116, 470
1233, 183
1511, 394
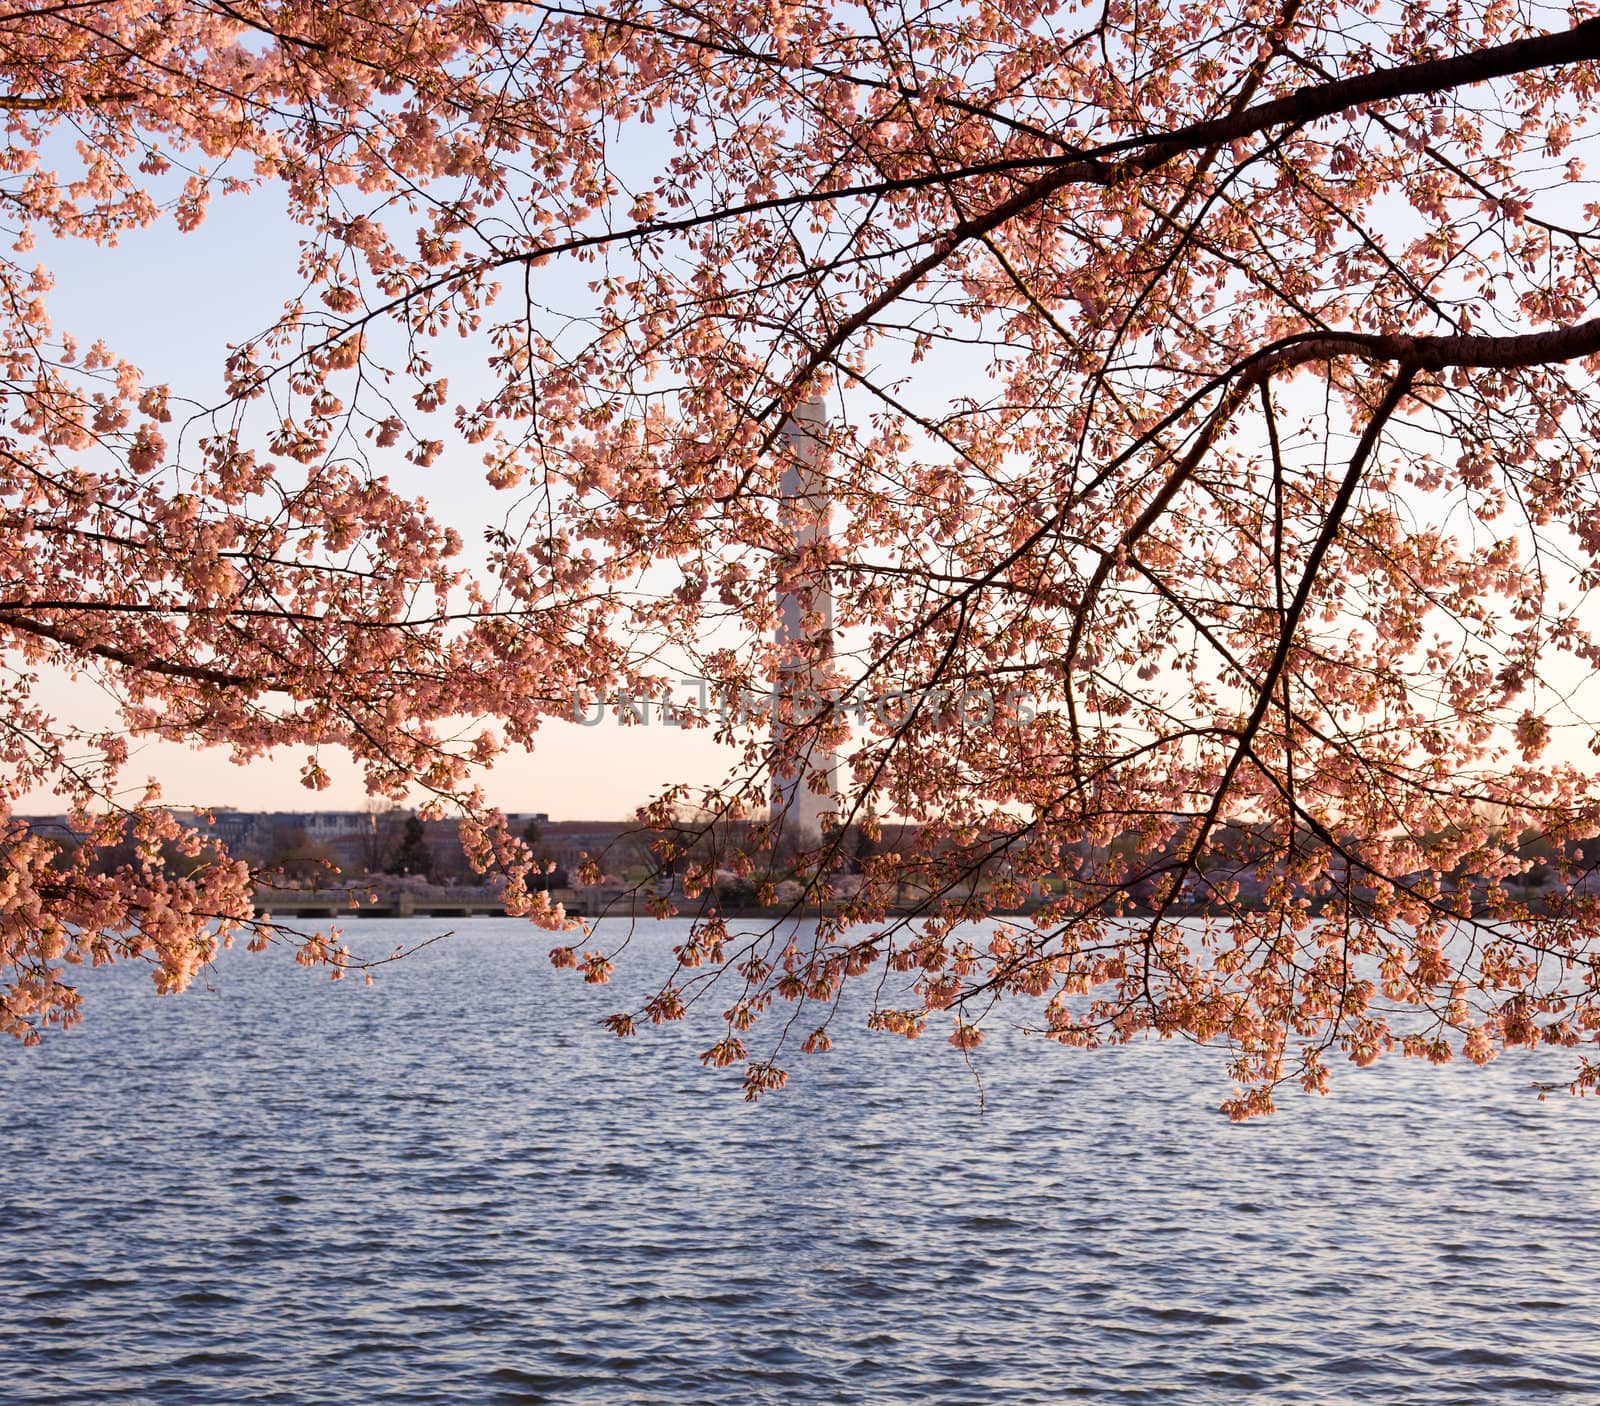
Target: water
452, 1187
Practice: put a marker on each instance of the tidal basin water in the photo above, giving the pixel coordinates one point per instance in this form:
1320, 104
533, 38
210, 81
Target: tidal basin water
451, 1186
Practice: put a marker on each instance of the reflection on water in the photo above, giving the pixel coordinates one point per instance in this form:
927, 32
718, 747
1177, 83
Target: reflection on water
452, 1187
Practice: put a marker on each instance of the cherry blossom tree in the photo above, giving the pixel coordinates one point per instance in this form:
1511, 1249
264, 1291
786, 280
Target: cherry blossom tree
1210, 450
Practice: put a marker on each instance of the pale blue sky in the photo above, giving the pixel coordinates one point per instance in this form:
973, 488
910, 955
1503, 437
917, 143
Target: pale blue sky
170, 303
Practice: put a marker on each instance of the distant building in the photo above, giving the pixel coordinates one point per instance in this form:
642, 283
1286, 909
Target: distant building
357, 842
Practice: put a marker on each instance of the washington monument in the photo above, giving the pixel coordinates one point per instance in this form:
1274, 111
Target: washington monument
797, 807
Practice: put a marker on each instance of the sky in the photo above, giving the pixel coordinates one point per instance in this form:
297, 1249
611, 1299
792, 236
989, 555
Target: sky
170, 303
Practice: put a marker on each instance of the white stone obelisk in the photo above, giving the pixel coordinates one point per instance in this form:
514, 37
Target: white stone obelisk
804, 502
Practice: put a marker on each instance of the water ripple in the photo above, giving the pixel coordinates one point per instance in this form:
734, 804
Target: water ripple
452, 1187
